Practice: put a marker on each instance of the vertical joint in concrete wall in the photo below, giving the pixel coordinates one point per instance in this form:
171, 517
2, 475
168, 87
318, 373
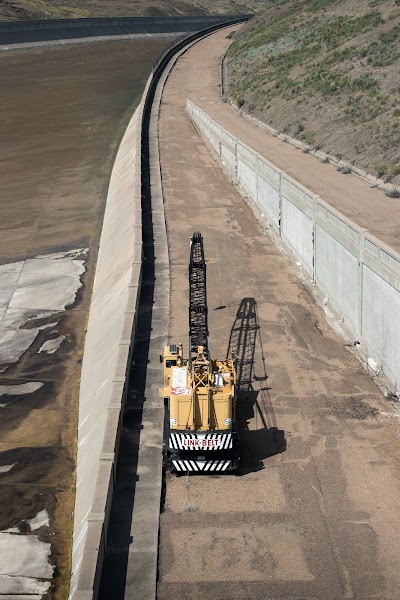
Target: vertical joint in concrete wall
236, 159
314, 248
221, 75
281, 175
280, 205
361, 247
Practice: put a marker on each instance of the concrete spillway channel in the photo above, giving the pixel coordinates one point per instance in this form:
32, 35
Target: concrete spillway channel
130, 563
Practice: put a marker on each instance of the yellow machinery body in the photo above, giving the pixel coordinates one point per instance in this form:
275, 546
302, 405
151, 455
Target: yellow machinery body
202, 411
199, 391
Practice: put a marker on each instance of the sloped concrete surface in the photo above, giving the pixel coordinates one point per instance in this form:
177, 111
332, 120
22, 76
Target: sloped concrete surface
24, 566
34, 288
63, 111
106, 358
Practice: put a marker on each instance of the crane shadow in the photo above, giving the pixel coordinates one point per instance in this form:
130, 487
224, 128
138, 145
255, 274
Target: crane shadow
259, 434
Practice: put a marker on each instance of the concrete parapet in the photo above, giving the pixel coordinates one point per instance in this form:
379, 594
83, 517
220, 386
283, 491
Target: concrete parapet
357, 275
93, 556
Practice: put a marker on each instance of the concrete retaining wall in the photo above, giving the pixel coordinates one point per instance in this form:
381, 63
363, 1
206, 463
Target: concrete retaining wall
358, 276
106, 359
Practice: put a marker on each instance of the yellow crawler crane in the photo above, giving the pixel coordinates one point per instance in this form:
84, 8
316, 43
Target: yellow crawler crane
199, 391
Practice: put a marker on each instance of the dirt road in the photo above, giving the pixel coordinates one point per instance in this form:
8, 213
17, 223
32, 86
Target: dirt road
315, 512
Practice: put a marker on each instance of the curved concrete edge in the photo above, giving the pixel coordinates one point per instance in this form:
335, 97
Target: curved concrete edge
107, 353
16, 33
356, 276
110, 339
142, 566
85, 40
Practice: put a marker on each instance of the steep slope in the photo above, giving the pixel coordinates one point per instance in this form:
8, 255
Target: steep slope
58, 9
326, 72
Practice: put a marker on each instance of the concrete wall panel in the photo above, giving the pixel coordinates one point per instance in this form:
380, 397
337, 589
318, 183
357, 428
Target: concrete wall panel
247, 169
297, 227
268, 196
269, 203
297, 232
228, 152
337, 277
358, 274
381, 323
228, 157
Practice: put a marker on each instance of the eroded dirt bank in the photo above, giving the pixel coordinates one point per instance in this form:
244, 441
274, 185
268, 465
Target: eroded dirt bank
63, 113
314, 514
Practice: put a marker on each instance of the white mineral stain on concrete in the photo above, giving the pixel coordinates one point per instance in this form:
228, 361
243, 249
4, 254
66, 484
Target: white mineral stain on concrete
41, 520
23, 585
21, 597
8, 391
24, 565
7, 468
21, 388
77, 253
35, 289
31, 291
51, 346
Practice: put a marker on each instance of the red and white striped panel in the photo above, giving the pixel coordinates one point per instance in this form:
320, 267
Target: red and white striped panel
200, 441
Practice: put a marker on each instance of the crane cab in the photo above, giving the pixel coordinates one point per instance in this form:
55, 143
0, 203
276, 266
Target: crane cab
171, 357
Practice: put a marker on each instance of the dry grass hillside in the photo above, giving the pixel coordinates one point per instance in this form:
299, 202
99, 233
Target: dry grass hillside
56, 9
326, 72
